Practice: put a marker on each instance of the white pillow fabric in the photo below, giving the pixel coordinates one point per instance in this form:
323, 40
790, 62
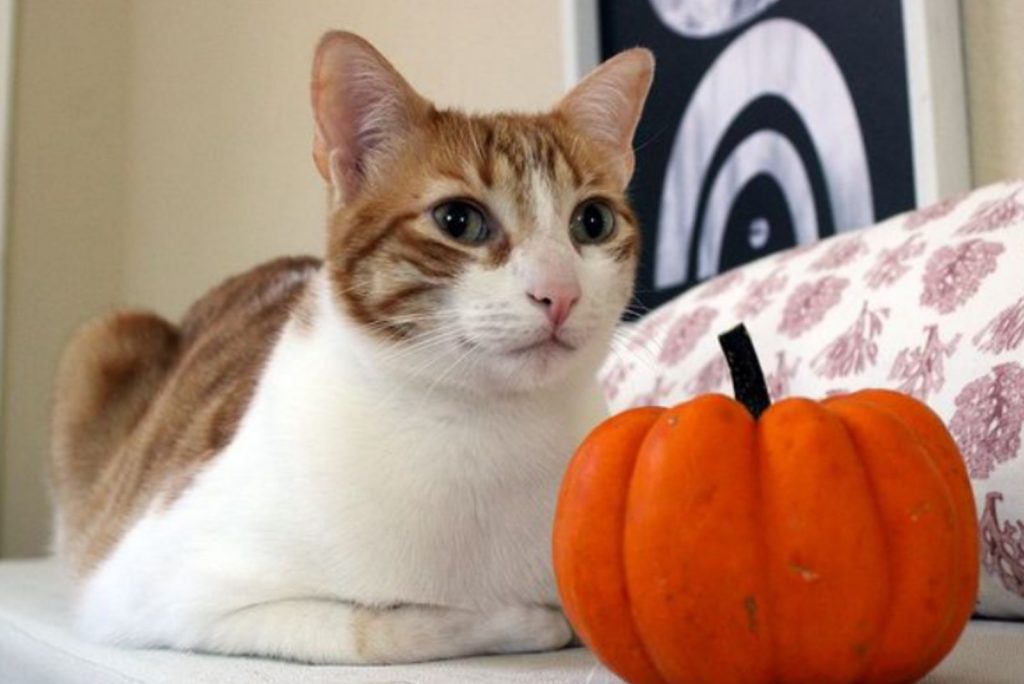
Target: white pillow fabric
929, 303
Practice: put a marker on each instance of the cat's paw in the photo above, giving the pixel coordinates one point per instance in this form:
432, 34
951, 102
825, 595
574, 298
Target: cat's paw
520, 629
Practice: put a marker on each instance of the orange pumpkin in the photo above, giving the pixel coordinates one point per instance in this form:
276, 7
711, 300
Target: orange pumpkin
720, 541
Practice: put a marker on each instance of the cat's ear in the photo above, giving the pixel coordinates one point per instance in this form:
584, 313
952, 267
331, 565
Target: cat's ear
361, 106
606, 105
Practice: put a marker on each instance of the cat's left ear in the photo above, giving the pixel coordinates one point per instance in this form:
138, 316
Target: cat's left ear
606, 105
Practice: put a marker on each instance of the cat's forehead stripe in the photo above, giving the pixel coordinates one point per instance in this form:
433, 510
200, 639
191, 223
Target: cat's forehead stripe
529, 162
517, 145
486, 166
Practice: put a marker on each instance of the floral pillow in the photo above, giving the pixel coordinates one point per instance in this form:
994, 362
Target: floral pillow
930, 303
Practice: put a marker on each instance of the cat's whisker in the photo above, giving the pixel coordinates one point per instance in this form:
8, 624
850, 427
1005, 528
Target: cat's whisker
654, 136
636, 305
632, 339
386, 325
440, 378
638, 351
653, 348
437, 340
428, 341
438, 316
617, 159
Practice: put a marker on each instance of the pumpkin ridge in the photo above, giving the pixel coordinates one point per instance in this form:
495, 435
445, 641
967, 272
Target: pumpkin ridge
644, 648
956, 615
917, 549
761, 541
887, 545
826, 548
690, 523
587, 553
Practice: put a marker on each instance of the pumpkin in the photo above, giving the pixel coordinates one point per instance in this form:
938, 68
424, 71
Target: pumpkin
729, 540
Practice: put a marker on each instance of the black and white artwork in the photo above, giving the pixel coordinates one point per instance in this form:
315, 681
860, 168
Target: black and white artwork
770, 123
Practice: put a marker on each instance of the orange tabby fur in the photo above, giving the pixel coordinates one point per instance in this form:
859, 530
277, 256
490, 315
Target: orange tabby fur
143, 404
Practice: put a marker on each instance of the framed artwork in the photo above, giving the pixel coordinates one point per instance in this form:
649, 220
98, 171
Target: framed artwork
773, 123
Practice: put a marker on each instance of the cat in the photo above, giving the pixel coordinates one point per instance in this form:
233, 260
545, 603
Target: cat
356, 460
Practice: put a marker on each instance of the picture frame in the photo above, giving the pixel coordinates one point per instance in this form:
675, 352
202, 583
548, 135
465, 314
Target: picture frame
931, 157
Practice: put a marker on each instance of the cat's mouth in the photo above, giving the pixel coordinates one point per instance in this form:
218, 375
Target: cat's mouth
547, 345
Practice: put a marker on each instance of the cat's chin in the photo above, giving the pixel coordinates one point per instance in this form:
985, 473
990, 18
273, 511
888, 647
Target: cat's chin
537, 366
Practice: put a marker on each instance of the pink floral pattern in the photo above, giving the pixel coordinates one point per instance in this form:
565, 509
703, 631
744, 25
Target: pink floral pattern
936, 312
648, 329
1002, 546
760, 294
1004, 332
892, 263
794, 252
710, 378
921, 371
809, 303
924, 216
684, 334
720, 284
855, 348
954, 274
611, 380
839, 253
994, 215
778, 380
988, 419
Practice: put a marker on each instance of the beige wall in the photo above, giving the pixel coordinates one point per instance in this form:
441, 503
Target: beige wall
220, 166
64, 234
161, 144
995, 87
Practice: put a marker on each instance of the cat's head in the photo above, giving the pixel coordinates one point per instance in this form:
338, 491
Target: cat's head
485, 252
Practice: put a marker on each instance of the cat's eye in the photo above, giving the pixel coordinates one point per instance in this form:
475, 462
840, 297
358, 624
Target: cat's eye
462, 221
593, 222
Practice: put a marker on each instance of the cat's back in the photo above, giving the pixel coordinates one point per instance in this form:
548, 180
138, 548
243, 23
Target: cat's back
142, 405
225, 340
262, 295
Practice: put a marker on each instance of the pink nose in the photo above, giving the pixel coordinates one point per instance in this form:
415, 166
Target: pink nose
557, 300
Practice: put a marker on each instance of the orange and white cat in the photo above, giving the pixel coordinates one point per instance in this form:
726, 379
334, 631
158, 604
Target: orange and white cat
356, 460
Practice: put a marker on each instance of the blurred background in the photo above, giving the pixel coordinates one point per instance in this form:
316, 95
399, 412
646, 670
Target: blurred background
152, 147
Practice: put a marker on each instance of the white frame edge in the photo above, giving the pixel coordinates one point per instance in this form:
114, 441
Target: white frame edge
938, 99
581, 50
7, 19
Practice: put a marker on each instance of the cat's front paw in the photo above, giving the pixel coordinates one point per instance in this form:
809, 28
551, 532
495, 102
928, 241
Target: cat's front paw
520, 629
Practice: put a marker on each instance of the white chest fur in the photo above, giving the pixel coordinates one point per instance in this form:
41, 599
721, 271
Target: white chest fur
342, 482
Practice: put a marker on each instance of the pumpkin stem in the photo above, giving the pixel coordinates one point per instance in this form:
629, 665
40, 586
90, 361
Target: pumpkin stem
748, 383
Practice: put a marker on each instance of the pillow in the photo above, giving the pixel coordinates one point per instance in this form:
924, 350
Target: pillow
930, 303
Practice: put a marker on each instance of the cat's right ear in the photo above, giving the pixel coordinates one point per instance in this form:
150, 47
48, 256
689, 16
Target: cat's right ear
361, 106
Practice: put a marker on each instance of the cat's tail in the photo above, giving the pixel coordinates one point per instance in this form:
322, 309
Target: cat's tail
107, 378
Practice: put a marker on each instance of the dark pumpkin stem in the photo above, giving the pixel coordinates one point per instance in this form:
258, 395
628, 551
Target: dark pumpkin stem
748, 383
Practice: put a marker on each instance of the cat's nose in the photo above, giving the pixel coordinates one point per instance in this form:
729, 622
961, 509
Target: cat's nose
557, 300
